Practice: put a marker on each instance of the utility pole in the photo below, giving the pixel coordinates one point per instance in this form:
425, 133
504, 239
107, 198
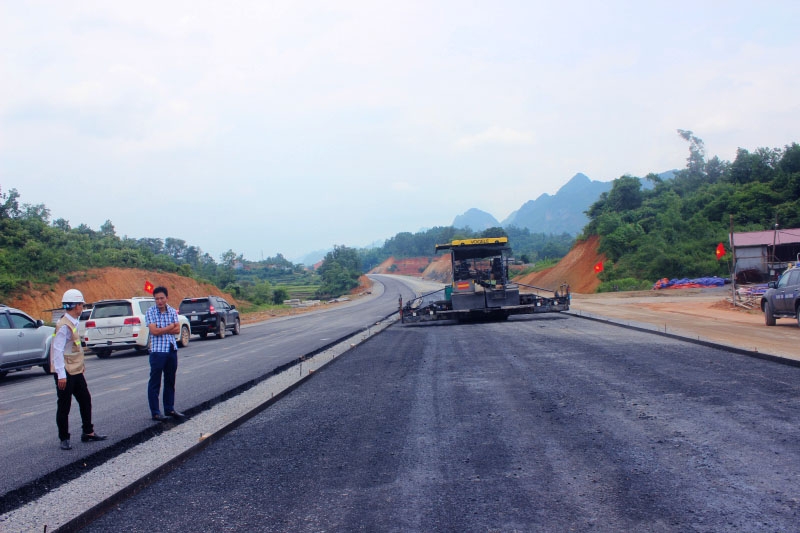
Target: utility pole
733, 258
774, 235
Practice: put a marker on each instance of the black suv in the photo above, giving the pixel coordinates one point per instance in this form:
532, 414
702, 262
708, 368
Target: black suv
210, 314
782, 299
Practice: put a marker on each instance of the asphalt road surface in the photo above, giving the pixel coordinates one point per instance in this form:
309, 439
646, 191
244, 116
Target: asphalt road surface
30, 457
541, 423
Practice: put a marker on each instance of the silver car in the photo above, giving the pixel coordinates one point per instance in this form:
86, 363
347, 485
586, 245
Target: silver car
24, 342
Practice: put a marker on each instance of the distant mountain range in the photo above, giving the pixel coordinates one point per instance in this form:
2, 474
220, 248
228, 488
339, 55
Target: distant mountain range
562, 212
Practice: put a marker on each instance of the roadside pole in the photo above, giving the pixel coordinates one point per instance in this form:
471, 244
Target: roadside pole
733, 260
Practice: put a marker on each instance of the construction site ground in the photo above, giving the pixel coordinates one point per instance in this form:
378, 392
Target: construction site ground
703, 314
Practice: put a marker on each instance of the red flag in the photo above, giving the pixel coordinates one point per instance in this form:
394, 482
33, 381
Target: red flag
598, 267
720, 251
148, 287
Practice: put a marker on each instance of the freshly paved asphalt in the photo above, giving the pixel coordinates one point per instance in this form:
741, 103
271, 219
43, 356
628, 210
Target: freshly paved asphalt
542, 423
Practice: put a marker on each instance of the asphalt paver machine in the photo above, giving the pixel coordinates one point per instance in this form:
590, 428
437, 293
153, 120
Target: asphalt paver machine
480, 288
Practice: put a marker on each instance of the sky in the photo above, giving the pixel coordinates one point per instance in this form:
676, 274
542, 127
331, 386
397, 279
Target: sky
272, 127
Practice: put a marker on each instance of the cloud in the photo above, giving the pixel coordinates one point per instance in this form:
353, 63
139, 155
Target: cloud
402, 186
494, 136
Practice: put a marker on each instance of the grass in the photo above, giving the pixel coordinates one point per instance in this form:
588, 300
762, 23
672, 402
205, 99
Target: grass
536, 267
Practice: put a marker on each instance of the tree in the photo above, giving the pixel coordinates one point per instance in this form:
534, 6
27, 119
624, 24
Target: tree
625, 194
493, 232
9, 208
279, 295
107, 229
696, 162
175, 248
340, 271
62, 224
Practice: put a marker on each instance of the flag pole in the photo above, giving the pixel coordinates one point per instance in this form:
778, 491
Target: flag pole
733, 270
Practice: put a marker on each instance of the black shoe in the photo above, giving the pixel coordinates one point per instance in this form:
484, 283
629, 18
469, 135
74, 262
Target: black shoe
176, 414
93, 436
158, 417
65, 445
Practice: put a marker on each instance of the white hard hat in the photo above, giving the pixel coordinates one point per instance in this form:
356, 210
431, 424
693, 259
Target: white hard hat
73, 296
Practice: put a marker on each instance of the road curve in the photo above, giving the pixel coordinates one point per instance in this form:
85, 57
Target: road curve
208, 370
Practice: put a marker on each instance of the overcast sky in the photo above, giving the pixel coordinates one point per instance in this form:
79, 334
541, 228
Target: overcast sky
268, 127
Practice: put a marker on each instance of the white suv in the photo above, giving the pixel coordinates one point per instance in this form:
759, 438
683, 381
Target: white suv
120, 325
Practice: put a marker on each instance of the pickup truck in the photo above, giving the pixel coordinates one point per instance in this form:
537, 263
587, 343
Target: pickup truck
782, 298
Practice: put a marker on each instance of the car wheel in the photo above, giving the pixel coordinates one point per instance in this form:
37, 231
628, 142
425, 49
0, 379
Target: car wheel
769, 318
102, 353
185, 334
46, 368
236, 327
3, 373
141, 349
203, 335
221, 330
797, 314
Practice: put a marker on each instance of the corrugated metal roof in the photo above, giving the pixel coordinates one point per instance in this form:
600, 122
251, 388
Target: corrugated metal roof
767, 238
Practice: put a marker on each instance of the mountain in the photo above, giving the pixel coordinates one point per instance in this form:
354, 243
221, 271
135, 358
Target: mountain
476, 220
561, 212
311, 258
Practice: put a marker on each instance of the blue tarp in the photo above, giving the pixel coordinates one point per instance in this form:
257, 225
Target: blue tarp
683, 283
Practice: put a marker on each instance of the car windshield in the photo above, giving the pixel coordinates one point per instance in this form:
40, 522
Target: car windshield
112, 310
194, 306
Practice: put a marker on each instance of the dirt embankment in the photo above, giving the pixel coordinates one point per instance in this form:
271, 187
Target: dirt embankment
109, 283
576, 269
435, 268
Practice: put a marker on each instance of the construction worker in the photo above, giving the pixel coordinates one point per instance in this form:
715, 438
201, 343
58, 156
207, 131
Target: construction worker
66, 363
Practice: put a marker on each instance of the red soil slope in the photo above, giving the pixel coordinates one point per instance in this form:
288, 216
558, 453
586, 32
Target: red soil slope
576, 269
413, 266
107, 283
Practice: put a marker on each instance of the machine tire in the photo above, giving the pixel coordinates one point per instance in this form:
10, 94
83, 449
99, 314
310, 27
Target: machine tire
142, 349
221, 330
102, 353
183, 342
797, 315
769, 317
236, 327
46, 368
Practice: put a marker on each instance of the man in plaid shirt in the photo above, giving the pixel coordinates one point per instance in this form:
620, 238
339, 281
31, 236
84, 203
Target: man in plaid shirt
162, 321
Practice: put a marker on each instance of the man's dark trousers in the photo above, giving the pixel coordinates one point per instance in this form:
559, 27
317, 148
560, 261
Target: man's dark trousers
76, 386
166, 362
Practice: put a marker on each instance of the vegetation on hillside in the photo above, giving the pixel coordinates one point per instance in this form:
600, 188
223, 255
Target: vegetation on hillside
527, 246
671, 230
34, 250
